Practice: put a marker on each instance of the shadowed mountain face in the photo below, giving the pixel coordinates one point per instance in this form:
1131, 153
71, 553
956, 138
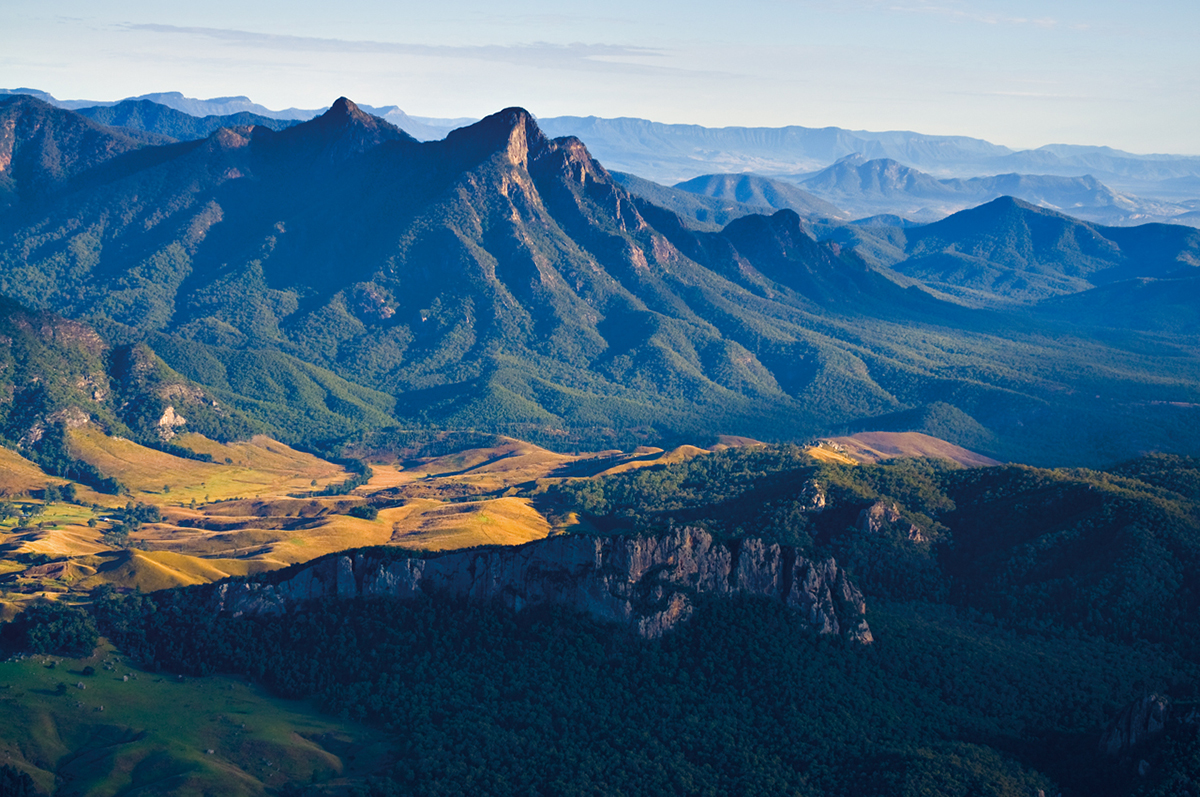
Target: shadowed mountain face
43, 147
1162, 305
499, 279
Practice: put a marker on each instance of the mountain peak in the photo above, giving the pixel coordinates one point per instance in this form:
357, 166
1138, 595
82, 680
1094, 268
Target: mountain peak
853, 159
344, 111
1008, 204
513, 130
347, 130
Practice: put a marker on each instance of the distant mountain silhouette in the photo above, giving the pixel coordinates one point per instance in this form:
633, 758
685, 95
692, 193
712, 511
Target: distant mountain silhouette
751, 189
887, 186
152, 117
672, 153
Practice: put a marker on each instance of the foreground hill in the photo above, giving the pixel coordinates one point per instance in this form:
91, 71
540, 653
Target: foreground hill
1014, 630
1166, 305
699, 211
501, 280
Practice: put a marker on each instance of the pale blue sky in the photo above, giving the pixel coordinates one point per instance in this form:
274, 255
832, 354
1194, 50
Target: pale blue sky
1112, 72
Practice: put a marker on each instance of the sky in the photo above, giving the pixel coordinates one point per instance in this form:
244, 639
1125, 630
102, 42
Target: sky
1117, 73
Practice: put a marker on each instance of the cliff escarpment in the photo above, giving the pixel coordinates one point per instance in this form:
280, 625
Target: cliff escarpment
648, 582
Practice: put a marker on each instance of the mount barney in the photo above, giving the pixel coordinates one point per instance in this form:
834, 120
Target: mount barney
501, 280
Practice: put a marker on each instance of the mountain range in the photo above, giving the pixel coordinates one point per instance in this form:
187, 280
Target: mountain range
501, 280
742, 618
857, 188
671, 153
883, 185
668, 153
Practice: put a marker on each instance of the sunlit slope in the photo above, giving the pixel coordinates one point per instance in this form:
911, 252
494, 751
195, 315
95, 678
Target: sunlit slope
508, 463
276, 533
257, 467
148, 571
437, 526
254, 508
872, 447
57, 547
237, 515
655, 457
19, 475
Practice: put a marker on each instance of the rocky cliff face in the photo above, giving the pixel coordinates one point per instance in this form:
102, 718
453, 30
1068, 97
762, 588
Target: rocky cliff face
880, 516
649, 583
1139, 721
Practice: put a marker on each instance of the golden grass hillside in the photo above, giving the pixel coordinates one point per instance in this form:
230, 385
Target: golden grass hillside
872, 447
19, 476
258, 467
252, 509
438, 526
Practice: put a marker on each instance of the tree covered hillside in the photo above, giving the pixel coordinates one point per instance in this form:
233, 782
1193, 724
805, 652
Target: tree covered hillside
502, 281
1016, 612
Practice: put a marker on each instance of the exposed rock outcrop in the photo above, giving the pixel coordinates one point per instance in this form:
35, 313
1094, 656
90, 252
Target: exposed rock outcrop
69, 417
812, 496
169, 422
1140, 720
880, 516
647, 582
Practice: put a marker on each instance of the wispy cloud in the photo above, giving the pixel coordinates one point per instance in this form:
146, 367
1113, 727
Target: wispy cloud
965, 13
575, 56
959, 10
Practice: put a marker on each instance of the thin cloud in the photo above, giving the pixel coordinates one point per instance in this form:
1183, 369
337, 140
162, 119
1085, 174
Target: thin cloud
961, 10
1040, 95
962, 13
576, 56
556, 20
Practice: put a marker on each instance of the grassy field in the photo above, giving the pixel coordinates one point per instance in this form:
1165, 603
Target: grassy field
872, 447
832, 453
19, 476
439, 526
121, 730
254, 468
